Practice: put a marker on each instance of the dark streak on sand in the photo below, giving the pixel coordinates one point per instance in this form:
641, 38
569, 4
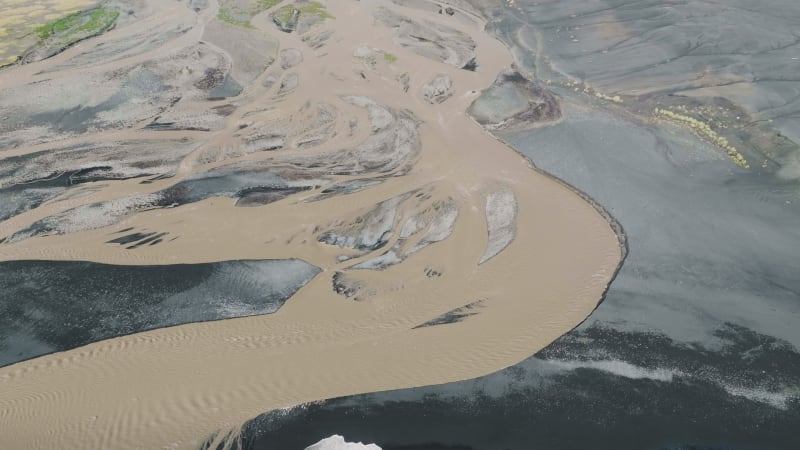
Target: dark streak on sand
453, 316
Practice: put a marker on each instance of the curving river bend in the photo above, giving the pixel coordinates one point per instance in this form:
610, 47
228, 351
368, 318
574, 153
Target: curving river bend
307, 172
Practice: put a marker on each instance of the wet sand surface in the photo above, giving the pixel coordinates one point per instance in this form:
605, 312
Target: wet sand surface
696, 343
335, 141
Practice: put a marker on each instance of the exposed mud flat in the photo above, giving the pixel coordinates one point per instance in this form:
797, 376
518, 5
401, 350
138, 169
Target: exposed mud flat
304, 147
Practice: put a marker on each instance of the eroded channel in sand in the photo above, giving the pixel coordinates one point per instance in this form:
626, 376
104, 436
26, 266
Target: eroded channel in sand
347, 166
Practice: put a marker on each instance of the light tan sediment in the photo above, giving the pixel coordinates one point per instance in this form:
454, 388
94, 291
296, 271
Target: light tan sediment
173, 387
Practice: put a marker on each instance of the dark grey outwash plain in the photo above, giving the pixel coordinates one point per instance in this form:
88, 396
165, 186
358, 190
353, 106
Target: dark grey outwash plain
50, 306
696, 344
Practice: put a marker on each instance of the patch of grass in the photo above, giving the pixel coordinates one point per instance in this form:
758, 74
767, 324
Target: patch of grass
287, 16
284, 13
262, 5
234, 16
59, 25
388, 57
101, 19
79, 25
316, 9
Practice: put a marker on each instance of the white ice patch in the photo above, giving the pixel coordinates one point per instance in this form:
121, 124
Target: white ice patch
619, 368
777, 399
387, 259
380, 117
501, 215
337, 442
438, 89
440, 228
412, 225
91, 217
367, 52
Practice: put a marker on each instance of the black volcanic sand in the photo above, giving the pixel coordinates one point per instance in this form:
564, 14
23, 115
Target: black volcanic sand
49, 306
651, 393
696, 343
656, 54
709, 242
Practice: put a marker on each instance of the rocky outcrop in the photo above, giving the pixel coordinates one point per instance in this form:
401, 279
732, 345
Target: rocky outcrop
438, 89
513, 102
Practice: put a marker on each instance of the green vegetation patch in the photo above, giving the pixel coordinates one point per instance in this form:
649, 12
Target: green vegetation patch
80, 25
234, 16
284, 13
389, 57
263, 5
57, 26
241, 16
315, 9
289, 16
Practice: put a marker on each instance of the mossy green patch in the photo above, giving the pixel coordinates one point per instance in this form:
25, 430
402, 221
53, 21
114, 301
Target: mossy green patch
262, 5
57, 26
284, 13
78, 25
316, 9
389, 57
307, 14
234, 16
100, 20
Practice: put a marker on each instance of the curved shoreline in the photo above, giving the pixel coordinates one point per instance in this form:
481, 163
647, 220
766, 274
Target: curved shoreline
619, 231
179, 382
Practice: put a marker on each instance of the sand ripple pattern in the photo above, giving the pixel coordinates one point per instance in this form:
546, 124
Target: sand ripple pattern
300, 148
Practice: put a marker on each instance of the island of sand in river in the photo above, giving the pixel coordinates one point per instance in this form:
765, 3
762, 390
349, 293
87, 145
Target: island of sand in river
334, 134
